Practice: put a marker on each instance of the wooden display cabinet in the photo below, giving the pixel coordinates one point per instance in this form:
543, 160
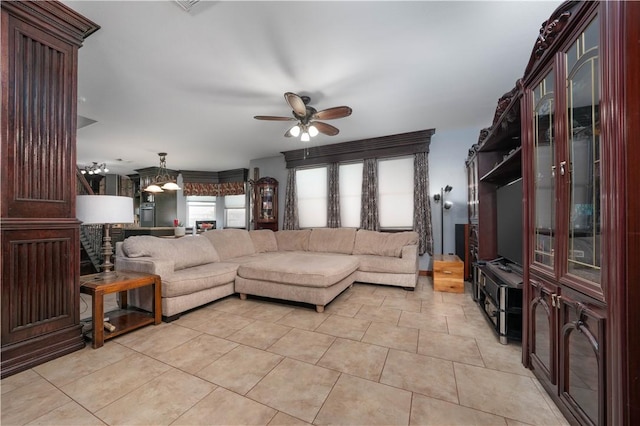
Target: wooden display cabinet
579, 121
266, 204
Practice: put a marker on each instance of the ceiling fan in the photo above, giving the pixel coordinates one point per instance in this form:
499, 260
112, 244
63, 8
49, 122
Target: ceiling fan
306, 116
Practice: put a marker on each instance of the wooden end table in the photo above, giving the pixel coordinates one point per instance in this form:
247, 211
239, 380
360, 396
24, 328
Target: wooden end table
447, 273
97, 285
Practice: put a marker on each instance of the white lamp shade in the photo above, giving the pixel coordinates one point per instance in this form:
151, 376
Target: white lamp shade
153, 188
93, 209
172, 186
295, 131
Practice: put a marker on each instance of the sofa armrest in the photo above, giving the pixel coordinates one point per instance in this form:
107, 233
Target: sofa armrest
411, 253
148, 265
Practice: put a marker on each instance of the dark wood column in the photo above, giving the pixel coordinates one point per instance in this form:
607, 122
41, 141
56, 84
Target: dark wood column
40, 234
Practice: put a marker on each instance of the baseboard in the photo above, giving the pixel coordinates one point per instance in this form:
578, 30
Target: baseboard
425, 273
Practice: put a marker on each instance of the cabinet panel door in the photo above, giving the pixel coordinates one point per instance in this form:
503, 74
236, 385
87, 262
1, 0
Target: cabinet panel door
582, 361
40, 290
542, 330
38, 155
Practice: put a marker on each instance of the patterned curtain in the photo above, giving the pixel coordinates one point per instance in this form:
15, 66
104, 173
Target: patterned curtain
422, 203
333, 197
290, 202
213, 189
369, 206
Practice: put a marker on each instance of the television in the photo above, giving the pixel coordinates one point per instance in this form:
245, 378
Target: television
509, 221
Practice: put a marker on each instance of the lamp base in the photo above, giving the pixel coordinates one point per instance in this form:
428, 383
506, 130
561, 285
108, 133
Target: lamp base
107, 250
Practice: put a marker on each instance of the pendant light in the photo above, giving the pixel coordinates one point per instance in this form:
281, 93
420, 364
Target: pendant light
162, 180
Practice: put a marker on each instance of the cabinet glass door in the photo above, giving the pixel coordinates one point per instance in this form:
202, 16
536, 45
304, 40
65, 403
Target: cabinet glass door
472, 170
266, 204
544, 172
583, 124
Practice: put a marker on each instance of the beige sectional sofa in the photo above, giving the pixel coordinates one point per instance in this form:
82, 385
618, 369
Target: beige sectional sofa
310, 266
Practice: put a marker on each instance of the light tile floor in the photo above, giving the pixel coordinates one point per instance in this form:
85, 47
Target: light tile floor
377, 355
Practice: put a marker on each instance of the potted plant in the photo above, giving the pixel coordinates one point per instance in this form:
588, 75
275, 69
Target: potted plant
178, 229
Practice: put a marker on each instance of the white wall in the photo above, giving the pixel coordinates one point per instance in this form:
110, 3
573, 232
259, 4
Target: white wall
448, 150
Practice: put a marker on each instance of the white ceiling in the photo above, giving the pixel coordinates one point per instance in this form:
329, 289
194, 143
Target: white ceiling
157, 78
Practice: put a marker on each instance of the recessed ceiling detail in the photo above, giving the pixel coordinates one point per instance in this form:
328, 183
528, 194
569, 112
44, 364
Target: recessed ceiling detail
187, 4
84, 122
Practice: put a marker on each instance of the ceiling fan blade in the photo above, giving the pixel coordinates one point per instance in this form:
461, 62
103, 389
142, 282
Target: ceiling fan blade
333, 113
325, 128
272, 118
296, 103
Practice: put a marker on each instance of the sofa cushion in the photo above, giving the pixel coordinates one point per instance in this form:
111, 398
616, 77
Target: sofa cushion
196, 278
193, 251
293, 240
304, 269
332, 240
230, 243
264, 240
149, 246
383, 243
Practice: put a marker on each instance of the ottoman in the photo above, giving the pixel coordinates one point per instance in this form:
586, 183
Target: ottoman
315, 278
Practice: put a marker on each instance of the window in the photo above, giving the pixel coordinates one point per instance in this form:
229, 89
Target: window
200, 208
395, 192
350, 194
311, 190
235, 211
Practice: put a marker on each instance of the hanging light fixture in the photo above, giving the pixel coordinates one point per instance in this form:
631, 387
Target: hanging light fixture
95, 169
162, 180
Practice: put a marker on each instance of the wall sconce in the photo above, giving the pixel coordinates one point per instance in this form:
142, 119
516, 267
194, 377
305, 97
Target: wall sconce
444, 205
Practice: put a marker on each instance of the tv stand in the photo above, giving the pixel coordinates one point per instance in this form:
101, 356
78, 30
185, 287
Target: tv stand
499, 294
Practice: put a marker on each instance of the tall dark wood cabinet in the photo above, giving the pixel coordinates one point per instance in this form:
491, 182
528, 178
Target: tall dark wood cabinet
266, 204
40, 233
581, 127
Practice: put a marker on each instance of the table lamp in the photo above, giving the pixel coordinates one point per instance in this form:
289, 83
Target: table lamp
105, 210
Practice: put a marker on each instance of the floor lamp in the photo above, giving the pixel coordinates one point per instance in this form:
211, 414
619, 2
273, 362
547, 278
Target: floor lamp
444, 205
104, 210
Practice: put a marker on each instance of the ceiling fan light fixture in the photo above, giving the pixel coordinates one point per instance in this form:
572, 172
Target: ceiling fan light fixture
306, 116
295, 131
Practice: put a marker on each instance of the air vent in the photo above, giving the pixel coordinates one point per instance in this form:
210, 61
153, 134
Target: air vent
187, 4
